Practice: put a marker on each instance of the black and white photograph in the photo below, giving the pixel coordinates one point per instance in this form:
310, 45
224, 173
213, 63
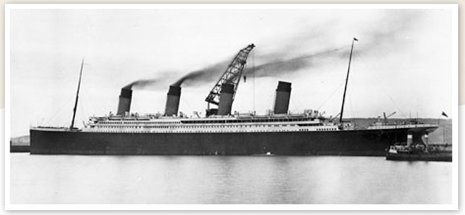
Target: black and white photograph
262, 106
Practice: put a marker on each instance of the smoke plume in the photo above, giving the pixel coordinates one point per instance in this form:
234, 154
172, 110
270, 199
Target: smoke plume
155, 83
279, 61
272, 64
143, 83
272, 67
204, 75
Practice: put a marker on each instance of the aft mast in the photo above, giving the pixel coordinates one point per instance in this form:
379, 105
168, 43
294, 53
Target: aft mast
77, 96
347, 80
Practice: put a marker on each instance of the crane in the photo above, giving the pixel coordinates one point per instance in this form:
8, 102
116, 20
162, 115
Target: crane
386, 117
232, 75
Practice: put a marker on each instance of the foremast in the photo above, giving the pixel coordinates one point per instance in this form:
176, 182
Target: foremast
77, 96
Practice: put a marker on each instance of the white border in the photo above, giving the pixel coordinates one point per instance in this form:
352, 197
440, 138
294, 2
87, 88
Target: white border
455, 107
232, 207
454, 73
231, 6
7, 107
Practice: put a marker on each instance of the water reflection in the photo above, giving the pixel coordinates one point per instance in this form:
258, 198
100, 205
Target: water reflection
231, 179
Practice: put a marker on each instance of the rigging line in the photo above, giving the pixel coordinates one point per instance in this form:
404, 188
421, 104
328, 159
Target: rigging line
351, 108
297, 105
61, 108
65, 81
84, 107
107, 110
397, 107
384, 90
253, 80
83, 111
346, 47
331, 96
188, 105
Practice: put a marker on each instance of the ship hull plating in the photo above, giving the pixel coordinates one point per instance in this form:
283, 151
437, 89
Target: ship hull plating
435, 156
350, 142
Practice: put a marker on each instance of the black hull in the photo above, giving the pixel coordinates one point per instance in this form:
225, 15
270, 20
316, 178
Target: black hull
19, 148
436, 156
350, 142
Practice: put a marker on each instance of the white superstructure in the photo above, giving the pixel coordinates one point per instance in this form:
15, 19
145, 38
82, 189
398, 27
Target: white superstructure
237, 123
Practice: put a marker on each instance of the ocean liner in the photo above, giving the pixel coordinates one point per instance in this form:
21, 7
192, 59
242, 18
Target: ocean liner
221, 132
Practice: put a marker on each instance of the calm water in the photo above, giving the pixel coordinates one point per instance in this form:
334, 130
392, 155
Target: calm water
232, 179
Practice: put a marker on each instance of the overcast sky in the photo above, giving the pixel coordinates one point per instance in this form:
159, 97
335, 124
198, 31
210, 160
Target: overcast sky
401, 63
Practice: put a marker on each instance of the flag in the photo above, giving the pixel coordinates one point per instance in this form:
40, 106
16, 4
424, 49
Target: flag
355, 39
444, 114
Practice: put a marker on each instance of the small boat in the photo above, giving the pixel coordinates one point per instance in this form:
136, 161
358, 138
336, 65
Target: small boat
419, 152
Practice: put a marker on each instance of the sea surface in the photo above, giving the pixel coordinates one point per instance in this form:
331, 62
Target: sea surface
60, 179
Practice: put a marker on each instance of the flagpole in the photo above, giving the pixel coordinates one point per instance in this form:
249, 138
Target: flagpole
444, 135
443, 128
439, 125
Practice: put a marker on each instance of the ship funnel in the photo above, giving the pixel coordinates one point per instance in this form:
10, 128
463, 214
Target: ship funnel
283, 95
409, 140
172, 100
124, 104
226, 99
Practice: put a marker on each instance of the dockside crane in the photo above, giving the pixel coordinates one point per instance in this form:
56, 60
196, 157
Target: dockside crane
386, 117
232, 76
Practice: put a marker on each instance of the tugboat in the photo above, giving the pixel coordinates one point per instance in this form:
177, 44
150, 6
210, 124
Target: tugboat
419, 151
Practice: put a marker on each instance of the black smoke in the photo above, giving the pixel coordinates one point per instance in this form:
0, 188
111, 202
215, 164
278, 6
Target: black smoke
159, 82
271, 64
204, 75
283, 66
281, 60
143, 83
